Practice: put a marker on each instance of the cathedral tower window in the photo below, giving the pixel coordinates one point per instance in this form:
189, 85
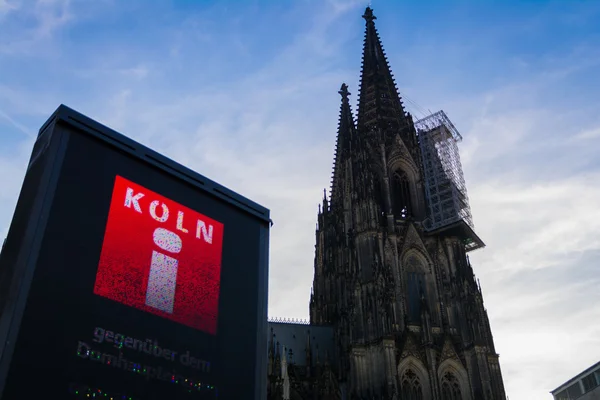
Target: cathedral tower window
411, 388
450, 387
416, 287
401, 194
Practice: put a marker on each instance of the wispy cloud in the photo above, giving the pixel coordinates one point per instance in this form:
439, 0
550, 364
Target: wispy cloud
51, 15
556, 222
139, 72
21, 128
588, 134
34, 26
7, 6
25, 100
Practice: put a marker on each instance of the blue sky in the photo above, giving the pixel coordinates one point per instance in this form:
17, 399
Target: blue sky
245, 92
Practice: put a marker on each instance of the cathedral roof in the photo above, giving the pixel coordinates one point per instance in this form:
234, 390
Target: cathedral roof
296, 337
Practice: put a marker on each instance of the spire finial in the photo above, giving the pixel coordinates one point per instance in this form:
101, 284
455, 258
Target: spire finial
368, 15
344, 91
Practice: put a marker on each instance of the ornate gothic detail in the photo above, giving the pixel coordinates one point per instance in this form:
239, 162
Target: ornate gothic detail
448, 352
411, 349
413, 241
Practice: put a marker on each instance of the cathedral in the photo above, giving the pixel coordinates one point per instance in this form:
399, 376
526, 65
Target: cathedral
395, 310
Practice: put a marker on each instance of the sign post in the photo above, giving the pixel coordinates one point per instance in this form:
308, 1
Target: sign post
128, 276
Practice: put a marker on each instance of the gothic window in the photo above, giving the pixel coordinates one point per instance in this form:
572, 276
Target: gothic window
414, 299
415, 284
401, 194
379, 200
450, 387
410, 385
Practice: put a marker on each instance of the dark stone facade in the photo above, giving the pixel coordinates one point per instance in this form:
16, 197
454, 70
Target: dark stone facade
396, 311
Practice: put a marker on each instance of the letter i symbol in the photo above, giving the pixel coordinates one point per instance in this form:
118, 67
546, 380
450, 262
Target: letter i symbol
162, 281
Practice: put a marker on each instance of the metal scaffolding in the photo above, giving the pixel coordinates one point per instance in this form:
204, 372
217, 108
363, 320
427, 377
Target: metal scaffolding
444, 180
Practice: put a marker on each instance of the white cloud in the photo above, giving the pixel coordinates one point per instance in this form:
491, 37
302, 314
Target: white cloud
138, 72
554, 220
588, 134
537, 210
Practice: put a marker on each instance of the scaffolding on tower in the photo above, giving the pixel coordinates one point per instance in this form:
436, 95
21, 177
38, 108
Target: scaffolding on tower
445, 188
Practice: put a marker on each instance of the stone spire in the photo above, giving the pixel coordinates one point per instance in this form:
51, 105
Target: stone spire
345, 134
380, 108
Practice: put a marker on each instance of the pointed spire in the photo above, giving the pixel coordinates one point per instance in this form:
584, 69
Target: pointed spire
379, 104
368, 15
272, 344
346, 132
285, 377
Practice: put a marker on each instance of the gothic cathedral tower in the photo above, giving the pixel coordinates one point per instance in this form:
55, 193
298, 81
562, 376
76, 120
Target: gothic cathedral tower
392, 275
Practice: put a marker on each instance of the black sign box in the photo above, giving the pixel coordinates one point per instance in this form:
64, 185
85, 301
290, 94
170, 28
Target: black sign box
127, 276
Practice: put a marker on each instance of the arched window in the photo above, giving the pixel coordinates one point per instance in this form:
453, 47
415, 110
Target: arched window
415, 285
401, 194
379, 199
410, 386
450, 387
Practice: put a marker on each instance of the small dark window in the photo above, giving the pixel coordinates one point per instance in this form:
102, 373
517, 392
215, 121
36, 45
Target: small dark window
401, 195
589, 382
415, 285
574, 390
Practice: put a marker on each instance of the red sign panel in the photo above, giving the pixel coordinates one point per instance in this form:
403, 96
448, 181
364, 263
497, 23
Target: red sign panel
161, 257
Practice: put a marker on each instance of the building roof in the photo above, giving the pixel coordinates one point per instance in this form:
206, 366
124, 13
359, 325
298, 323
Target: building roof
575, 378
